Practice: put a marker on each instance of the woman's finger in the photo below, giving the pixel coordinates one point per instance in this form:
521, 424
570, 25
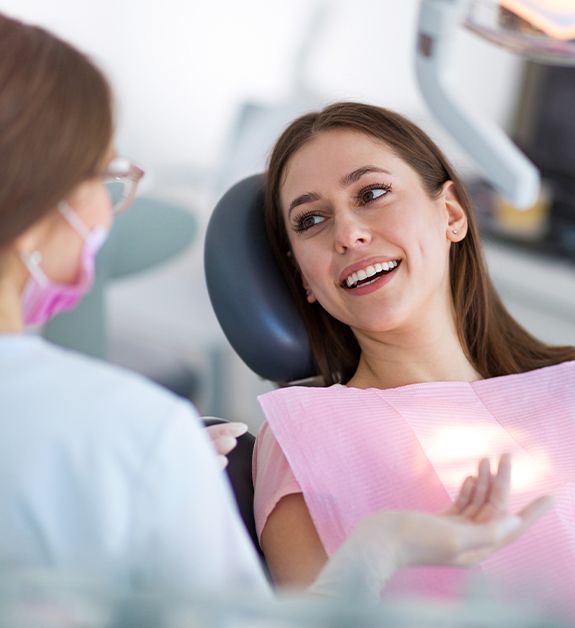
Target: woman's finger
464, 497
481, 490
498, 497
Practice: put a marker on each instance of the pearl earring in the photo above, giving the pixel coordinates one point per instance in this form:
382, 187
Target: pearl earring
455, 231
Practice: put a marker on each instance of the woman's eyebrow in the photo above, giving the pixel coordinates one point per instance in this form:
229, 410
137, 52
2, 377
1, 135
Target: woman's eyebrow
345, 181
354, 176
308, 197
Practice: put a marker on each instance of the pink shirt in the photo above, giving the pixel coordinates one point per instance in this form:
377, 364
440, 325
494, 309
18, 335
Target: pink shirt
353, 452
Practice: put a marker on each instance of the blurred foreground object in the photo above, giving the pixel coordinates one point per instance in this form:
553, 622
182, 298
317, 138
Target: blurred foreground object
40, 600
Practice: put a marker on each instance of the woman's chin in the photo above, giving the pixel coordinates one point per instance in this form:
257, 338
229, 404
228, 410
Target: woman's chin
388, 325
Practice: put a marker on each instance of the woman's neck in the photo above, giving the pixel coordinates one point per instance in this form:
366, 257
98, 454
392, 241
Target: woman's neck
424, 353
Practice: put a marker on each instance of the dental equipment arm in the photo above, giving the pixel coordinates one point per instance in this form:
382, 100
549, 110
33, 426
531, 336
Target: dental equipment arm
502, 163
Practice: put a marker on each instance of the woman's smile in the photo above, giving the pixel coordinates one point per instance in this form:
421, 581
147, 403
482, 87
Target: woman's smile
367, 272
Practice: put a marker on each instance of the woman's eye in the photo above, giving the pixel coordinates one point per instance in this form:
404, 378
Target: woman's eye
373, 193
307, 221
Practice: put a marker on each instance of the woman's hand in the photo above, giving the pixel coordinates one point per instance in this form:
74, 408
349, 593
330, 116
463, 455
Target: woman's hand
484, 497
473, 528
224, 438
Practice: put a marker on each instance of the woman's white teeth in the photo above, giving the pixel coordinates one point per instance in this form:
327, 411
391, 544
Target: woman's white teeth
369, 271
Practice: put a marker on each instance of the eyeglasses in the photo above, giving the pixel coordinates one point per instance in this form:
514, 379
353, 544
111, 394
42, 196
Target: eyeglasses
121, 179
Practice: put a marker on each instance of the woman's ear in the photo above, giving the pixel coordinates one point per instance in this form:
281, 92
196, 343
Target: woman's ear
456, 217
309, 295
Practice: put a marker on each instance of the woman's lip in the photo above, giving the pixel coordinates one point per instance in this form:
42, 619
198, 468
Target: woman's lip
364, 263
376, 284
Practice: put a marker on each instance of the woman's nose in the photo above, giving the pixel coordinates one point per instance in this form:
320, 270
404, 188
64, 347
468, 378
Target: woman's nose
350, 233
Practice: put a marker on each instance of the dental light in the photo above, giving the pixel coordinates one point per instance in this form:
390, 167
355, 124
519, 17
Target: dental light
538, 29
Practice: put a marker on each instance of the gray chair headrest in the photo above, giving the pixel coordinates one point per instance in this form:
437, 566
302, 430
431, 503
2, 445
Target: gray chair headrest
248, 293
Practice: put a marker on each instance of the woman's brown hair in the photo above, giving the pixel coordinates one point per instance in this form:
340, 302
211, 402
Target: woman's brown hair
494, 342
56, 123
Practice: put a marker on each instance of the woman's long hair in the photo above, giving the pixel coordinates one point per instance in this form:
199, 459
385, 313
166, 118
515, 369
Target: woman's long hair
56, 124
493, 341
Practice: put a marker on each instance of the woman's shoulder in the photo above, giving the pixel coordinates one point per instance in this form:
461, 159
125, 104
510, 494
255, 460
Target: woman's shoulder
299, 409
294, 392
566, 368
555, 374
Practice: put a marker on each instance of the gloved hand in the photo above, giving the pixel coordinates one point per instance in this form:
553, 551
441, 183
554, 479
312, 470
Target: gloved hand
224, 437
473, 528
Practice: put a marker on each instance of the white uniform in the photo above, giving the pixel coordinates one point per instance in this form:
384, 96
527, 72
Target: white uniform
104, 472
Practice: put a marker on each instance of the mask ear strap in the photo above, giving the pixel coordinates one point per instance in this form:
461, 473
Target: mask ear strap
32, 262
74, 220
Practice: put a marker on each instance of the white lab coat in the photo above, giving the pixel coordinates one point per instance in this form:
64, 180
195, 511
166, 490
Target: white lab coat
103, 472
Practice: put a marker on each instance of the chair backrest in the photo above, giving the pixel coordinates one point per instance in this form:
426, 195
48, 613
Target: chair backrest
248, 293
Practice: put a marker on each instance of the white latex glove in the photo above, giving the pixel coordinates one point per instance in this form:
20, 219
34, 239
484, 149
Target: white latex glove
473, 528
224, 438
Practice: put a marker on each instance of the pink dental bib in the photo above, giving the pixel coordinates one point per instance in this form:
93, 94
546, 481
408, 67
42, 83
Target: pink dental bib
354, 452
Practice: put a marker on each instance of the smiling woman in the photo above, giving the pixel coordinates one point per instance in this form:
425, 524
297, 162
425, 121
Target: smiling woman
376, 237
366, 216
396, 166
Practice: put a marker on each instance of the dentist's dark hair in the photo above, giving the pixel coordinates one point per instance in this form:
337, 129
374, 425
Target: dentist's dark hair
56, 123
493, 341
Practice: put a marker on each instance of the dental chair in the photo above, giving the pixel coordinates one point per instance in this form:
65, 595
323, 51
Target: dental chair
255, 310
248, 293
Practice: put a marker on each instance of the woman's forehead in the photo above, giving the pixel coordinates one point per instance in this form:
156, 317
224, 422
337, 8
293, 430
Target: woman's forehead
333, 154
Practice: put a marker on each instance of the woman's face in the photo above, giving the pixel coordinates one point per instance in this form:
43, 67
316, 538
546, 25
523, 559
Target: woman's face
371, 245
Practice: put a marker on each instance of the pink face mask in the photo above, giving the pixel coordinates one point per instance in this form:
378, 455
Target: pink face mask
42, 298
